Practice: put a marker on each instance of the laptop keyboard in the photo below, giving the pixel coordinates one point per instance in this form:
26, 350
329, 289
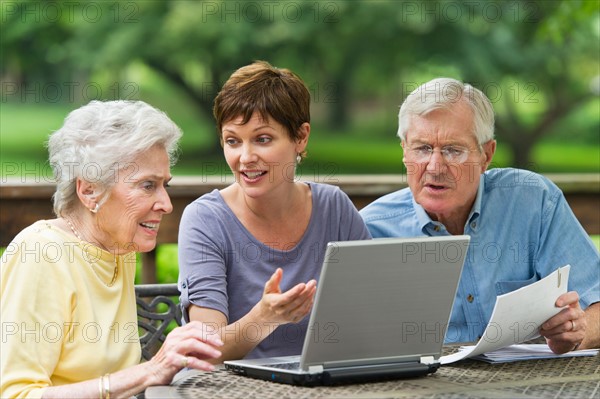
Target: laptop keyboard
285, 366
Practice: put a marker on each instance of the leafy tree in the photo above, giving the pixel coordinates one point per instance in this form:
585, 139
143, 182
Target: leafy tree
536, 62
534, 59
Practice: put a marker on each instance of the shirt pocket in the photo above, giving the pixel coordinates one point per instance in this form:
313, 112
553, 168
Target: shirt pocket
504, 287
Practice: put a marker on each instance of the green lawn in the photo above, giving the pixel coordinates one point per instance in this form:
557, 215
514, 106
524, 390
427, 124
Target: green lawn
596, 240
24, 129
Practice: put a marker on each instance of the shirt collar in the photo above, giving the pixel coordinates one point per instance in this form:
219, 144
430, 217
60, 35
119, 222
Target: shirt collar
426, 224
476, 209
423, 218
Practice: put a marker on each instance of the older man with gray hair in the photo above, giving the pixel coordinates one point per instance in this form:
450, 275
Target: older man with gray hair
520, 224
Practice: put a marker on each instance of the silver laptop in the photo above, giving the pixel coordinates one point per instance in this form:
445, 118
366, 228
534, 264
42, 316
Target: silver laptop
381, 311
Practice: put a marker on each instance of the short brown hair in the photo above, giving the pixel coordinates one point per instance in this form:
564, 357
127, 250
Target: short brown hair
260, 87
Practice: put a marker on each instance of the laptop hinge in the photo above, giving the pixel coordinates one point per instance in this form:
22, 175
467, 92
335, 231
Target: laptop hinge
315, 369
427, 360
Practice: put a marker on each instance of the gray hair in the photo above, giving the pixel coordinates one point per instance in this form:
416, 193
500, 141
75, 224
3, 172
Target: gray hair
99, 139
443, 93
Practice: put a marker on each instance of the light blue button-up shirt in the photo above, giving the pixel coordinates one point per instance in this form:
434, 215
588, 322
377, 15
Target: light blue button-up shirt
521, 229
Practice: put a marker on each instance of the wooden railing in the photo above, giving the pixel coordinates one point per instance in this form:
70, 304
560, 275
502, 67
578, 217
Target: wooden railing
22, 203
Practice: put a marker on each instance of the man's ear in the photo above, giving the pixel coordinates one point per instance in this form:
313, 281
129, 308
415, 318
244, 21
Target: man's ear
489, 149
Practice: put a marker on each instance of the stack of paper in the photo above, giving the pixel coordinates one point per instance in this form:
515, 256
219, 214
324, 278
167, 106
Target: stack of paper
527, 309
515, 353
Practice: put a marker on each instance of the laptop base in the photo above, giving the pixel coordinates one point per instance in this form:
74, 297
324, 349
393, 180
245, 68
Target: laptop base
334, 376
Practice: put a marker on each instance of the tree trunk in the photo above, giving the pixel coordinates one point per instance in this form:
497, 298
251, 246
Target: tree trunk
337, 96
521, 150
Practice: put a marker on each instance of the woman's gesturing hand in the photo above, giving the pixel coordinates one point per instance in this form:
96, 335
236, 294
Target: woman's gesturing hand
290, 306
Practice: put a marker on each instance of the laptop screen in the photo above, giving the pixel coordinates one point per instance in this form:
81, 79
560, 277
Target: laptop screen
383, 300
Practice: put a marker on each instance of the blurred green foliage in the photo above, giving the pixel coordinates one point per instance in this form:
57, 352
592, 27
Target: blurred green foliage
538, 62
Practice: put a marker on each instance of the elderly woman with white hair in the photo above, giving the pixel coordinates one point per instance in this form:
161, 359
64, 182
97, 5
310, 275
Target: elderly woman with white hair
69, 323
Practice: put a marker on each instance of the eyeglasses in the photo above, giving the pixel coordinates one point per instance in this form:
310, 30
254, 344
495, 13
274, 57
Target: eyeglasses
450, 153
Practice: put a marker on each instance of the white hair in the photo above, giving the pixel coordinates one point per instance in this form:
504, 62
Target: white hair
443, 93
99, 139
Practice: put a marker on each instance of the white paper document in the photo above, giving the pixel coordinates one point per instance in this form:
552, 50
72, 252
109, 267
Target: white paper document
519, 352
518, 315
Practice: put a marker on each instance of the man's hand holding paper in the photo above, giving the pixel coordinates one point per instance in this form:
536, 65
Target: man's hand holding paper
519, 315
565, 331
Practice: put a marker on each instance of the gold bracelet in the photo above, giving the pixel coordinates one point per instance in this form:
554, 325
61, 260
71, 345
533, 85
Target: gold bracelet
100, 386
106, 386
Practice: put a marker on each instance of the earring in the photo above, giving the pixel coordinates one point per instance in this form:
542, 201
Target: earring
298, 159
95, 209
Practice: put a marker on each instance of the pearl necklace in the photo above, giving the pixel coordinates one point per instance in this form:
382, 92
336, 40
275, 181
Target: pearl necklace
116, 272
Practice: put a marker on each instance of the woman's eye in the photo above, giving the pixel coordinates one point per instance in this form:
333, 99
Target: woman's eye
230, 141
263, 140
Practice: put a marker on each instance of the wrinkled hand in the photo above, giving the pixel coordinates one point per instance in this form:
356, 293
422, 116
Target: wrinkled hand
565, 331
290, 306
185, 346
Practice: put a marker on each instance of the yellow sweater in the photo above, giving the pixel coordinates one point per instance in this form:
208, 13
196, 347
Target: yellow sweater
62, 319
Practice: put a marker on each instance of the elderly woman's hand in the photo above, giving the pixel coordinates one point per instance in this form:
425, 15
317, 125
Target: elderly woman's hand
565, 331
290, 306
186, 346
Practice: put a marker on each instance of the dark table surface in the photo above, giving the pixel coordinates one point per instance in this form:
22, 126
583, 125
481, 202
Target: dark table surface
574, 377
